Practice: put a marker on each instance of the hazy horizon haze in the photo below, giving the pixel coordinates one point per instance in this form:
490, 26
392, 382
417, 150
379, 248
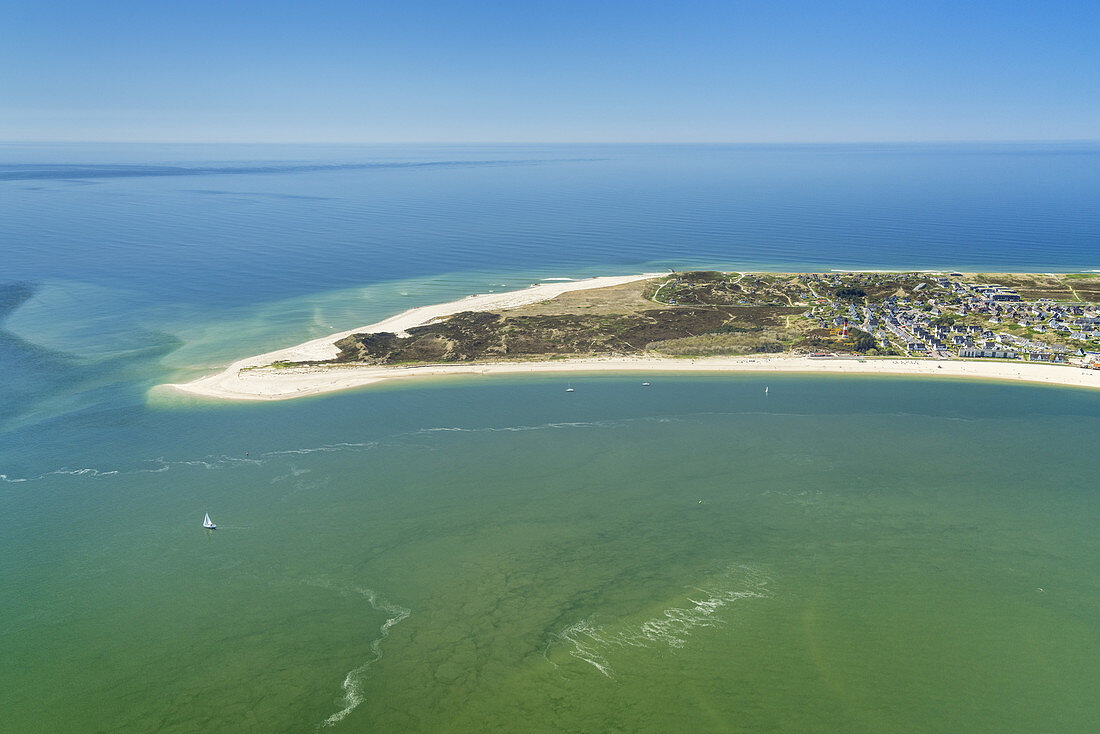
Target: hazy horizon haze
439, 72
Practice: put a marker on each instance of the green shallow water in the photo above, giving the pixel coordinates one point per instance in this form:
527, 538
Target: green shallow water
841, 555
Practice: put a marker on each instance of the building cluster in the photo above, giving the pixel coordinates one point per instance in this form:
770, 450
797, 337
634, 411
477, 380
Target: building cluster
948, 318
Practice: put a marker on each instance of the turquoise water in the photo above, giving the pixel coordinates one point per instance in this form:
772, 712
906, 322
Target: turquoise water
481, 553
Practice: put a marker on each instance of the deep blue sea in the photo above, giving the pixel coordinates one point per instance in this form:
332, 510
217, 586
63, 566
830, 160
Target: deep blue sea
849, 555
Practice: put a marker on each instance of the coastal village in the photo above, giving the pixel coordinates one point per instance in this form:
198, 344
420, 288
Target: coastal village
955, 317
1054, 319
1029, 327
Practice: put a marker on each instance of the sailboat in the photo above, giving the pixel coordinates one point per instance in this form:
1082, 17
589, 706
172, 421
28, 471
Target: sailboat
208, 523
570, 388
765, 390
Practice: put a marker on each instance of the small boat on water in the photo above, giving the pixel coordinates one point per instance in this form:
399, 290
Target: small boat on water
208, 523
645, 384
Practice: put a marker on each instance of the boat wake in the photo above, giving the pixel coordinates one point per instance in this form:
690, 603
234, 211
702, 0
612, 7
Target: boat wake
593, 643
353, 681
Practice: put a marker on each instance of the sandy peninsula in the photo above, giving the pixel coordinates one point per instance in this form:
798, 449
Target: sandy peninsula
254, 378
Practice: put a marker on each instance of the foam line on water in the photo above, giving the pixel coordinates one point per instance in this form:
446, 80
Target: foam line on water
87, 471
210, 462
353, 682
294, 473
520, 428
224, 461
591, 642
823, 414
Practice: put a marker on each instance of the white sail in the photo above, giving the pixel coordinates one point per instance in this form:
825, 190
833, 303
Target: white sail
207, 522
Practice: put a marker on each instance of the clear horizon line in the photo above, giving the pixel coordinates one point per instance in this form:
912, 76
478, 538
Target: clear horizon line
951, 141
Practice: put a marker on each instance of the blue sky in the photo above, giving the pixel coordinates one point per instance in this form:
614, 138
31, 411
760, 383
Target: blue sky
527, 71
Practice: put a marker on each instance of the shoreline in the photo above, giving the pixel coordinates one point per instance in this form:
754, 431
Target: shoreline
231, 384
295, 382
253, 379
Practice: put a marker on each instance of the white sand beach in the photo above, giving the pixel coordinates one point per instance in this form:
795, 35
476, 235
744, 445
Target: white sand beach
253, 379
